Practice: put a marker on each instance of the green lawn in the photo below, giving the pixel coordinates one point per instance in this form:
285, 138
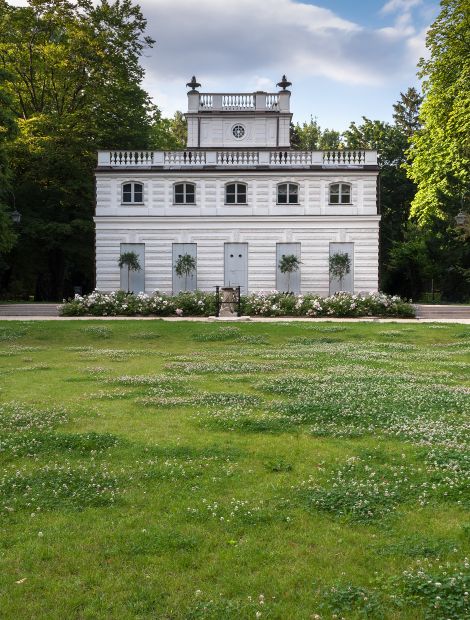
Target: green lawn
193, 470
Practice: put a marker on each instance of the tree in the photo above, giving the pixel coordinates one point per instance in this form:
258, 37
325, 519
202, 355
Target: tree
340, 266
74, 86
406, 112
310, 137
395, 190
131, 261
8, 129
168, 134
289, 263
440, 151
184, 267
330, 139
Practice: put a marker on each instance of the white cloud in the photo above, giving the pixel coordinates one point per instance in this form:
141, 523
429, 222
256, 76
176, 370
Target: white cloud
393, 6
247, 38
247, 45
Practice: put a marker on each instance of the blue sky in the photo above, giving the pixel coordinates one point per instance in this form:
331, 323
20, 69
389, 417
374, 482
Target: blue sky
346, 58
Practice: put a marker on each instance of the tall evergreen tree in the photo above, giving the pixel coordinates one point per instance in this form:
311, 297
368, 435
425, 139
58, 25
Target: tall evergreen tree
406, 111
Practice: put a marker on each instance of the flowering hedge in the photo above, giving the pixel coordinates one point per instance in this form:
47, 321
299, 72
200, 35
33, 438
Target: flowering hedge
271, 303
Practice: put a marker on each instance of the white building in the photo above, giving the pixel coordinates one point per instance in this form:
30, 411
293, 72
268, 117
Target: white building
237, 199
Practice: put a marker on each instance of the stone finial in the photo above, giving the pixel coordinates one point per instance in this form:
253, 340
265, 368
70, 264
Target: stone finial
284, 83
193, 85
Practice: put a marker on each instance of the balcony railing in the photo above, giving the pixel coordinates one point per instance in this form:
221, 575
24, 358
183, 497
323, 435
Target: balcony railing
237, 101
232, 158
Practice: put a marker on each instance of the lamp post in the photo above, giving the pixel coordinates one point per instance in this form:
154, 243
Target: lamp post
15, 215
461, 216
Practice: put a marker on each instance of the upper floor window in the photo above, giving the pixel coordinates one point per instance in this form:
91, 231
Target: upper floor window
340, 193
185, 193
287, 193
132, 193
235, 193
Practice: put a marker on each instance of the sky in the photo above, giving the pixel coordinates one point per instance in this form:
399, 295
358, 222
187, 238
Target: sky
345, 58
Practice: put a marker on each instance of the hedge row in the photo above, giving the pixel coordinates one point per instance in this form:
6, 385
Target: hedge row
271, 303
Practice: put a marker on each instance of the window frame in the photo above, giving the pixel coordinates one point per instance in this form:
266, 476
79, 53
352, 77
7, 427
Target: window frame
133, 185
185, 193
340, 193
236, 184
288, 184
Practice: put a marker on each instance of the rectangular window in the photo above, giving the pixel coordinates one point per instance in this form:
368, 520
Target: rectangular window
345, 194
190, 194
230, 195
340, 193
235, 193
241, 194
288, 193
179, 194
127, 193
334, 194
138, 193
293, 194
282, 194
184, 193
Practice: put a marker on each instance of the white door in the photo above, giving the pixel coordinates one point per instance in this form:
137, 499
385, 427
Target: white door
236, 265
348, 279
287, 283
134, 281
189, 282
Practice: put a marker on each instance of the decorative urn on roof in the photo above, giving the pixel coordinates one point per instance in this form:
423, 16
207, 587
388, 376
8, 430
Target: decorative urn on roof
284, 83
194, 84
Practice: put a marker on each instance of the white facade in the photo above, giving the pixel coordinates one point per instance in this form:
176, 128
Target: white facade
162, 203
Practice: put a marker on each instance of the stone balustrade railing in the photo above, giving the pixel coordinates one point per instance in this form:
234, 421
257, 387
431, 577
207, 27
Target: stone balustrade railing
237, 158
343, 158
208, 102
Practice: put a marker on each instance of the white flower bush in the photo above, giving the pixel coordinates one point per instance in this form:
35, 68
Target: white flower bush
262, 303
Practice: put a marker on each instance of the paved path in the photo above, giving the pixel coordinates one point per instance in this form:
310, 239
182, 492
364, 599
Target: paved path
425, 314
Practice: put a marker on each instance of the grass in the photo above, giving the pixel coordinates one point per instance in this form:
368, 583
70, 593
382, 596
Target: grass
187, 471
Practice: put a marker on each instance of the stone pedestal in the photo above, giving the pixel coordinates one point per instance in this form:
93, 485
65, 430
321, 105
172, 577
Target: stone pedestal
228, 306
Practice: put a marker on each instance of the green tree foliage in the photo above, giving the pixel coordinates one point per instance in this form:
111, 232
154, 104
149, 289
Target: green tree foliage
340, 266
289, 263
440, 152
396, 191
73, 83
8, 130
406, 112
430, 259
311, 137
168, 133
131, 261
184, 267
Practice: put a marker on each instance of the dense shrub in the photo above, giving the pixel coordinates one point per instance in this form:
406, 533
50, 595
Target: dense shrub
271, 303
